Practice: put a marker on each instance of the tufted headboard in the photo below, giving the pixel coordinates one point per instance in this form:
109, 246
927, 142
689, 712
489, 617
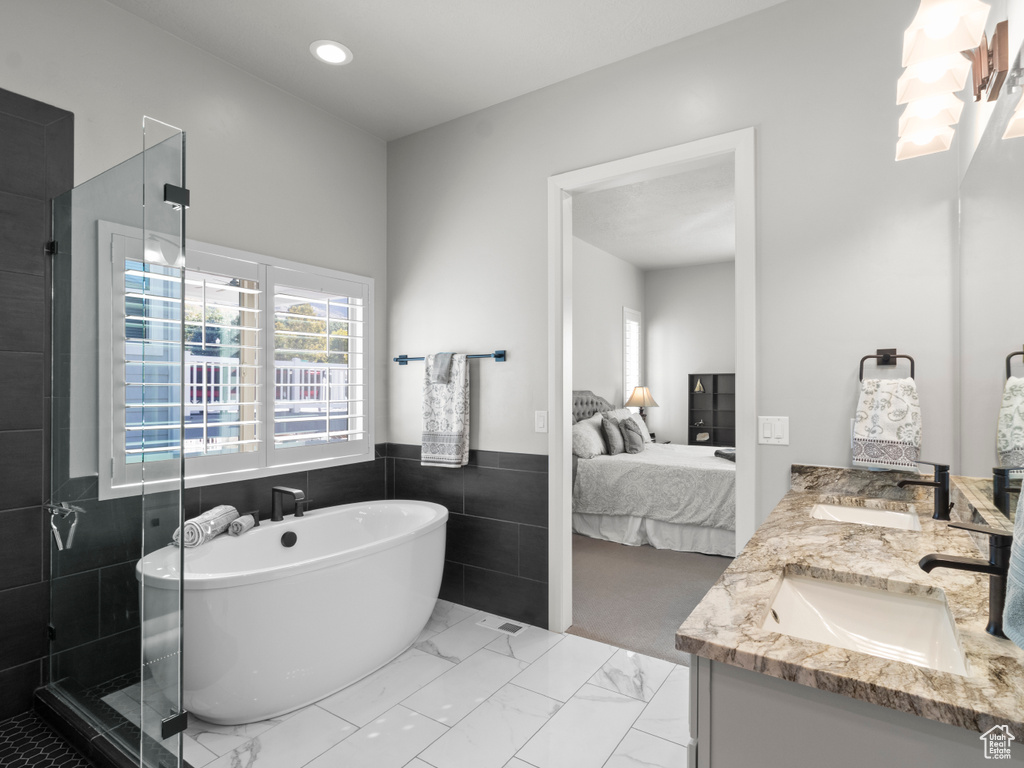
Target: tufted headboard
585, 404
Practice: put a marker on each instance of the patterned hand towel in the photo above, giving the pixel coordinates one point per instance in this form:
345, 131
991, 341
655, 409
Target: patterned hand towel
1010, 430
1013, 610
441, 368
446, 416
887, 424
206, 526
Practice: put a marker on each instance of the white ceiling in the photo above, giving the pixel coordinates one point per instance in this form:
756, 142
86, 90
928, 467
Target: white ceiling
681, 220
419, 63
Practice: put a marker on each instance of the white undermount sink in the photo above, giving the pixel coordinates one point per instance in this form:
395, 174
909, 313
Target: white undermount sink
917, 629
888, 518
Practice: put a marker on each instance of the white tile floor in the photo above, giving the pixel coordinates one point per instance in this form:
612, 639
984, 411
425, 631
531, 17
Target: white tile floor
469, 697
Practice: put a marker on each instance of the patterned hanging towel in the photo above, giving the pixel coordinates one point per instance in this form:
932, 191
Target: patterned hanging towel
446, 415
887, 425
1010, 430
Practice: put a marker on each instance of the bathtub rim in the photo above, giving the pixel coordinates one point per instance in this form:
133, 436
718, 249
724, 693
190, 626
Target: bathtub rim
168, 555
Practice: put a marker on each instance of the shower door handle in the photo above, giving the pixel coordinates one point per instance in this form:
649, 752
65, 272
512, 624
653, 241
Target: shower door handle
62, 510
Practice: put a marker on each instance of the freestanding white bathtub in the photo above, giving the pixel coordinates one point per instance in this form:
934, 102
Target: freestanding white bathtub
270, 628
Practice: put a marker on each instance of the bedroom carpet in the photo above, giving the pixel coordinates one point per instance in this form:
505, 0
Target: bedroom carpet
636, 597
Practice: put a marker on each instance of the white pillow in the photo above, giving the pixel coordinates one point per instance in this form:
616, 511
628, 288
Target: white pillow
587, 438
625, 413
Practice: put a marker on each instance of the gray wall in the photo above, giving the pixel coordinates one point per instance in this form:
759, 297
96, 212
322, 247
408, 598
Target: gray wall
690, 328
268, 172
602, 285
855, 251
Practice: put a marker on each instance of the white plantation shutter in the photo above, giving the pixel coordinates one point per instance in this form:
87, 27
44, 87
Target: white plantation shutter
631, 351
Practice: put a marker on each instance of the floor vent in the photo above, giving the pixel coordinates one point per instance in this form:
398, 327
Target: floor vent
501, 625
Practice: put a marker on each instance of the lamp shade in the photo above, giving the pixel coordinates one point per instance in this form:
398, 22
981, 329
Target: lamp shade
641, 397
930, 114
944, 27
916, 145
934, 77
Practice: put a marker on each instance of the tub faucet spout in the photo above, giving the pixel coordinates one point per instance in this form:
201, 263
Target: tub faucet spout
284, 501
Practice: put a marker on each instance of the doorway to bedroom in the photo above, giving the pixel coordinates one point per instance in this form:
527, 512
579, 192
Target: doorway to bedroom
652, 304
653, 323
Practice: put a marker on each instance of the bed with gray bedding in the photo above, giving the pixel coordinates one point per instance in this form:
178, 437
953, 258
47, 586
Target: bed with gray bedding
670, 496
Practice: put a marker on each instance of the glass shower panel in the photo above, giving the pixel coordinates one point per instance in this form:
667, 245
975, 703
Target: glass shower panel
116, 479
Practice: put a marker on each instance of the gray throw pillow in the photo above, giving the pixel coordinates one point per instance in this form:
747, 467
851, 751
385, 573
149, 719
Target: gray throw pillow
631, 436
587, 439
613, 435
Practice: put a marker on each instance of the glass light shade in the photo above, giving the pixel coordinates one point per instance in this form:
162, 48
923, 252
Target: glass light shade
934, 77
929, 114
641, 397
944, 27
1015, 128
155, 250
925, 143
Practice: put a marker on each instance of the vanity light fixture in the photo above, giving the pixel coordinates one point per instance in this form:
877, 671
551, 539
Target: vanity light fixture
990, 62
930, 114
330, 52
924, 142
163, 251
944, 27
935, 77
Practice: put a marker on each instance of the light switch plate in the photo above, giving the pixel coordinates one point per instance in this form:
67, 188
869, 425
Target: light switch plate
540, 421
773, 430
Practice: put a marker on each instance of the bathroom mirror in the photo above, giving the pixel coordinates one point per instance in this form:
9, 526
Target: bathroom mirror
991, 284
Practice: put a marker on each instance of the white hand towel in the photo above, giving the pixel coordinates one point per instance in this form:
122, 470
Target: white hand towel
1010, 429
241, 524
887, 424
446, 416
1013, 610
206, 526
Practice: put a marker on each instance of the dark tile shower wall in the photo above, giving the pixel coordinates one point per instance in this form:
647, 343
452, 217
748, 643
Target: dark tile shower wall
36, 164
497, 549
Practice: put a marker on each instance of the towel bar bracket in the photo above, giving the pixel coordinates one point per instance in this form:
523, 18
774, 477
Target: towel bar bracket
886, 357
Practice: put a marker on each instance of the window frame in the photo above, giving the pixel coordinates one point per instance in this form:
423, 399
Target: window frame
632, 316
123, 479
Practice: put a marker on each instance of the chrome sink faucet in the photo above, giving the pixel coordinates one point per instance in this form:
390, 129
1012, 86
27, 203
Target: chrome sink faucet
941, 486
997, 567
285, 501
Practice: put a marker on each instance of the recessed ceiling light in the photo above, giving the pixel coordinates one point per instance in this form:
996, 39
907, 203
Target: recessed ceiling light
330, 52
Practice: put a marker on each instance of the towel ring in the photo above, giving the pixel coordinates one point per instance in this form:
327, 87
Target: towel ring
1008, 358
889, 358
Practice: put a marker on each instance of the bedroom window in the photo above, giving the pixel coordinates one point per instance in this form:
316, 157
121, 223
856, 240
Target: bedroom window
632, 362
272, 373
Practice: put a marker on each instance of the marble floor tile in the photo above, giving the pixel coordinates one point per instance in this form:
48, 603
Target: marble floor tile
149, 719
641, 750
390, 741
446, 615
460, 641
221, 739
299, 739
632, 674
515, 762
417, 763
378, 692
584, 732
667, 716
463, 688
493, 732
561, 671
529, 645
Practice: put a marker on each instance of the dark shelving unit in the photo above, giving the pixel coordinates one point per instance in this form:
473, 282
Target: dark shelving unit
713, 410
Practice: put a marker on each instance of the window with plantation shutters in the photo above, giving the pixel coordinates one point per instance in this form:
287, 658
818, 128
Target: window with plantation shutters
632, 364
250, 365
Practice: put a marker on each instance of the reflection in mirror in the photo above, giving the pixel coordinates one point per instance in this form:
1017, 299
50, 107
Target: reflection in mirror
991, 309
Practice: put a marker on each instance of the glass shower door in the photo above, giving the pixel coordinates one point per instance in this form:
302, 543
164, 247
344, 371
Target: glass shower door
116, 454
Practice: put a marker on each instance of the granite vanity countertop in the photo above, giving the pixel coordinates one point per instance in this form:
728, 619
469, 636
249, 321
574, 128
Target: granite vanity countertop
973, 496
726, 625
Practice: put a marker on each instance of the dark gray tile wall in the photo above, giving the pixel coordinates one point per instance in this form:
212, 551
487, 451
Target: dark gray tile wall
496, 557
36, 164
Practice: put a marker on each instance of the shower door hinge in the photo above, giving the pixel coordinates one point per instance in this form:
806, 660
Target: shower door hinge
51, 632
173, 725
50, 249
176, 196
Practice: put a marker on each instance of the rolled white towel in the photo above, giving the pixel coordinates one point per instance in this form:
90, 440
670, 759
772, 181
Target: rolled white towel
206, 526
241, 524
